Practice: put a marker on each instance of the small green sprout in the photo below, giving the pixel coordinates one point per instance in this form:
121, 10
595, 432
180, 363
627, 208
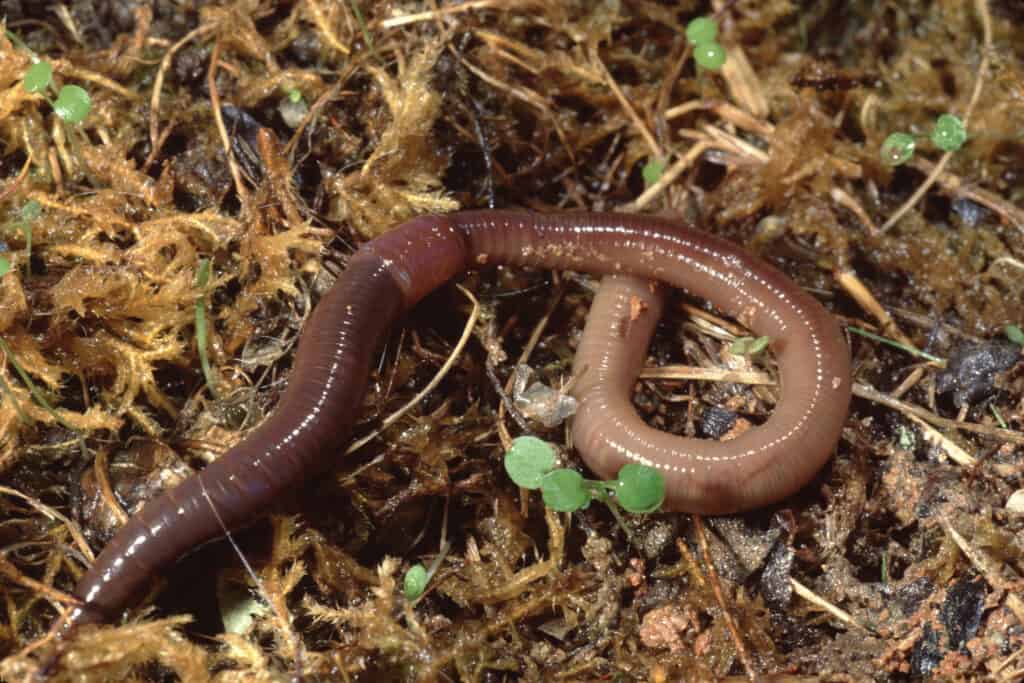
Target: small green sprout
998, 416
528, 460
897, 149
897, 345
1014, 334
565, 490
640, 488
701, 34
38, 77
749, 346
294, 95
701, 30
530, 463
652, 171
5, 265
710, 56
949, 133
73, 102
202, 278
415, 582
906, 439
29, 213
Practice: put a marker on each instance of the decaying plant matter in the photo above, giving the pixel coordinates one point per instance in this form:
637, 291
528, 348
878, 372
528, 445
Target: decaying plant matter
271, 137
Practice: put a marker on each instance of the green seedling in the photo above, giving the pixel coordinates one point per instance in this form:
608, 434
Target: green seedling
749, 346
530, 463
897, 149
701, 30
73, 102
1014, 334
415, 582
701, 33
202, 278
948, 134
652, 171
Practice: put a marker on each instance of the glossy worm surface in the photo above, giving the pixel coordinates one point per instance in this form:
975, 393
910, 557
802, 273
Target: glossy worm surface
762, 465
389, 275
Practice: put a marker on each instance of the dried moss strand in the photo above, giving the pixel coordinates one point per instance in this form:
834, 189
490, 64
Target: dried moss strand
6, 389
32, 388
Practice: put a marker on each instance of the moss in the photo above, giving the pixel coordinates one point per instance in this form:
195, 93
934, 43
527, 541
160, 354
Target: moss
509, 101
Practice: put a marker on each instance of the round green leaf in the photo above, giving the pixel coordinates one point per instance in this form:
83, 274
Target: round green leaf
897, 149
415, 582
1015, 334
563, 491
949, 133
640, 488
73, 104
528, 461
31, 210
652, 171
38, 77
749, 346
710, 56
701, 31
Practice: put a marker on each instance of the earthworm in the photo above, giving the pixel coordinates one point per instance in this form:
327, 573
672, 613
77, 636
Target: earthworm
389, 275
763, 464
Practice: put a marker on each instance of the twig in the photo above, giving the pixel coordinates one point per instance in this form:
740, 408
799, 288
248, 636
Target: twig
467, 332
158, 83
323, 23
638, 123
933, 436
211, 83
668, 177
872, 394
8, 569
99, 468
406, 19
853, 286
691, 372
12, 186
844, 199
76, 533
815, 599
716, 586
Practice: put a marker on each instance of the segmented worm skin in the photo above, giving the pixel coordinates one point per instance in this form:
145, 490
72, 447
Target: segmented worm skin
389, 275
762, 465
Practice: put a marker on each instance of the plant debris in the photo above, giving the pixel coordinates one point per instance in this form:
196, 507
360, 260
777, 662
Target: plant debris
268, 139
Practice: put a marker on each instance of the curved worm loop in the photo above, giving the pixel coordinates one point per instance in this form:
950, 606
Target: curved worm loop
387, 276
762, 465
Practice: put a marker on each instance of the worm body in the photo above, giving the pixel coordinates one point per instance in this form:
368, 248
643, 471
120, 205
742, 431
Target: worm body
762, 465
390, 274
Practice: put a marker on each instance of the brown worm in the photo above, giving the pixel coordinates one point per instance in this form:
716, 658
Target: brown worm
762, 465
389, 275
